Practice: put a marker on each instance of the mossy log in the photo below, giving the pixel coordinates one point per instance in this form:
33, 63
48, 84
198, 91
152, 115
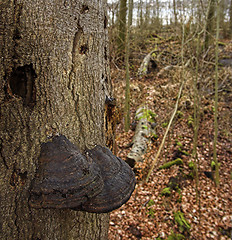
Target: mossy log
178, 161
143, 133
147, 64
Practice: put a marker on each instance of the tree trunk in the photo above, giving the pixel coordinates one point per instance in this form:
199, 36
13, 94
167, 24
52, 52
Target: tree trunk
122, 27
210, 23
174, 11
230, 17
127, 54
54, 80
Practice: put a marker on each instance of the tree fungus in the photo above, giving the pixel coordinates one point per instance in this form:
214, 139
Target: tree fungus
96, 181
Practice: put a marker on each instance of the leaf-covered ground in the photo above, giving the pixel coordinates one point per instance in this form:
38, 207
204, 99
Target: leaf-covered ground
150, 213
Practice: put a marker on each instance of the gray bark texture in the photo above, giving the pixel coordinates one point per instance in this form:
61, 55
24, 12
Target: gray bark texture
54, 78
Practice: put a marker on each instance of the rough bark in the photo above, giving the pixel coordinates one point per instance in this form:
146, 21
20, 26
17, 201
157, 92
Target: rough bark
54, 79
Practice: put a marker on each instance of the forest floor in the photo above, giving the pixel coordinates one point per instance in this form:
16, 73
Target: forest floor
150, 213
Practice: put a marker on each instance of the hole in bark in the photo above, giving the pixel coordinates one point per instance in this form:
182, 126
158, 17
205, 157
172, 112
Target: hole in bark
83, 49
16, 35
105, 53
23, 176
106, 79
84, 9
22, 84
105, 22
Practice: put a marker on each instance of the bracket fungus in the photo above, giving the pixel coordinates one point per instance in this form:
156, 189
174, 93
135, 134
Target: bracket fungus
96, 181
119, 181
65, 178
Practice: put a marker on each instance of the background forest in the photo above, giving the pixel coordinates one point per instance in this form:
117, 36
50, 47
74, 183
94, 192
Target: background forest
171, 68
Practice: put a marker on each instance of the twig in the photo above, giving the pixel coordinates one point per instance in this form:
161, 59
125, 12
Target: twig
166, 133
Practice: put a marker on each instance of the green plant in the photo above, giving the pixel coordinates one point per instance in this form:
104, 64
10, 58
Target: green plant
154, 136
150, 203
191, 165
181, 221
165, 124
184, 152
178, 161
213, 165
179, 114
151, 212
179, 143
190, 121
180, 195
144, 127
166, 191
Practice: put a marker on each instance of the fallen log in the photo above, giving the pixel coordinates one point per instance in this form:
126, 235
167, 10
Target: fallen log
147, 64
158, 58
143, 133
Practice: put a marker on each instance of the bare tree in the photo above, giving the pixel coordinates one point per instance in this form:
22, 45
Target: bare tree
174, 11
122, 26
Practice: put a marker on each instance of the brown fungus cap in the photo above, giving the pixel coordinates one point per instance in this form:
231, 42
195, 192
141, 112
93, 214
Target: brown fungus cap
65, 178
119, 182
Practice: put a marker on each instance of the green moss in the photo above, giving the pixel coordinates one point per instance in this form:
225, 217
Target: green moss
179, 114
154, 136
213, 165
181, 221
180, 195
185, 153
191, 165
221, 44
191, 175
190, 121
178, 161
153, 55
144, 127
147, 114
179, 143
165, 124
151, 213
151, 114
166, 191
150, 203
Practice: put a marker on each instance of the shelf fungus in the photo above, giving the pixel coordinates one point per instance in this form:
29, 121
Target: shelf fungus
119, 181
96, 181
65, 178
